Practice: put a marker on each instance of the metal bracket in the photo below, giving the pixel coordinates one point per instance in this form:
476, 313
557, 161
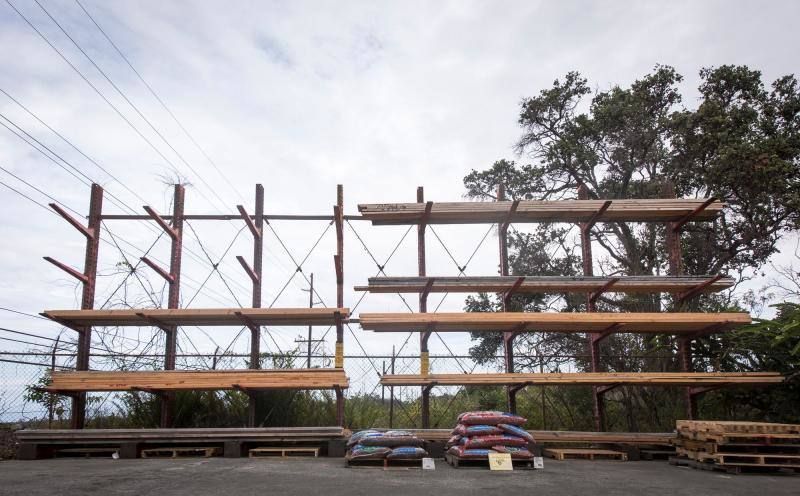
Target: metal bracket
691, 293
596, 216
507, 219
694, 391
155, 322
69, 270
89, 233
337, 265
594, 295
519, 387
163, 273
607, 388
513, 289
704, 332
426, 389
66, 323
510, 335
599, 336
247, 220
248, 269
247, 321
161, 222
426, 215
427, 289
676, 226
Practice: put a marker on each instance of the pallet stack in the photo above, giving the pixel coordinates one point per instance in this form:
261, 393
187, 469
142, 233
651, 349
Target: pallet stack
737, 446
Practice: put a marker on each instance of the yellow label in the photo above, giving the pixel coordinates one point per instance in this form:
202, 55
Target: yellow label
339, 361
424, 363
500, 461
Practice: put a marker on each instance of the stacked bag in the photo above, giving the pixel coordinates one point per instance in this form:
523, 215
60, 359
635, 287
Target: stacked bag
377, 445
480, 433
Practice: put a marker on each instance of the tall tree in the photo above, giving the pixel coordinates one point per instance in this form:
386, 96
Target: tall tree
741, 143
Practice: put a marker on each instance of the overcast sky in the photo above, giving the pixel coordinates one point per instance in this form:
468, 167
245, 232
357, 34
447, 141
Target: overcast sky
381, 97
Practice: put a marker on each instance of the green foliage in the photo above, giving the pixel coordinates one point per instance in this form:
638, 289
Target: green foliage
740, 143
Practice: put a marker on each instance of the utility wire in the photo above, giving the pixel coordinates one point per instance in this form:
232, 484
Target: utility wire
160, 100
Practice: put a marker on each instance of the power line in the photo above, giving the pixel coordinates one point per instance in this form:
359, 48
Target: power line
160, 100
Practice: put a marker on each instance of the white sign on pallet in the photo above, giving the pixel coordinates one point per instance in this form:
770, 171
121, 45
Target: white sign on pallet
538, 462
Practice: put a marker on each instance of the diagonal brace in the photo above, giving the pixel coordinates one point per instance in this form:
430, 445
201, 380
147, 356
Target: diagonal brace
249, 221
248, 269
507, 219
161, 222
691, 215
519, 387
86, 231
691, 293
155, 322
163, 273
69, 270
596, 216
599, 336
594, 295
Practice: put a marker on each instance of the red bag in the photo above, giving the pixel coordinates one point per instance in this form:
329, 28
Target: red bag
476, 430
490, 418
514, 451
470, 454
490, 441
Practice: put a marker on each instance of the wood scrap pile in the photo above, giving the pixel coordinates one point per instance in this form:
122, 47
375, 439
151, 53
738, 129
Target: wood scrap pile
736, 446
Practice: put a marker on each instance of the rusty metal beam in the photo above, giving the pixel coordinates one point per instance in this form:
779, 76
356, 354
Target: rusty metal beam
161, 222
594, 295
163, 273
688, 295
676, 226
69, 270
586, 226
249, 270
87, 232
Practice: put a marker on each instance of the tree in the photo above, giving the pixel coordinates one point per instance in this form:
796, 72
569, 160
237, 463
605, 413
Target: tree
740, 144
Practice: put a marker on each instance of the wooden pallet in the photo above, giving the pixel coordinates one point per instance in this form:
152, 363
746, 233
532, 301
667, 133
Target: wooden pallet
383, 463
87, 452
736, 468
588, 453
458, 462
180, 452
653, 454
282, 452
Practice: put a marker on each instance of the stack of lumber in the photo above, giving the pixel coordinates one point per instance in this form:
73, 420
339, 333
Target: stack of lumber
199, 317
572, 437
739, 445
183, 435
671, 323
586, 378
542, 284
656, 210
174, 380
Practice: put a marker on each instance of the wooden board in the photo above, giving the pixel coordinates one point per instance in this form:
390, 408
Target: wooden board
283, 452
624, 210
542, 284
646, 438
587, 378
587, 453
175, 380
199, 317
664, 322
196, 435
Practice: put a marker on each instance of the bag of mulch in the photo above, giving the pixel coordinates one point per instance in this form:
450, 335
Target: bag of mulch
369, 452
453, 441
407, 453
493, 440
515, 452
516, 431
356, 437
391, 439
476, 430
490, 418
475, 454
